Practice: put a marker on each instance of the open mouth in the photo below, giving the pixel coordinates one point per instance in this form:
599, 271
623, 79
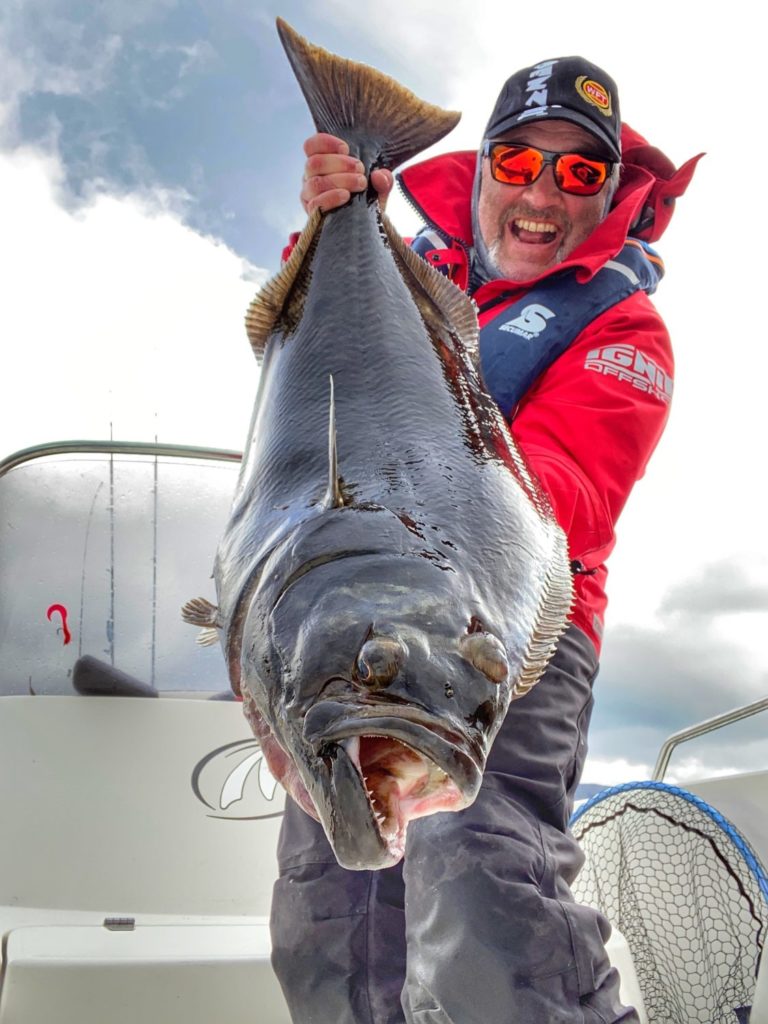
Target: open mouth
401, 784
533, 232
389, 764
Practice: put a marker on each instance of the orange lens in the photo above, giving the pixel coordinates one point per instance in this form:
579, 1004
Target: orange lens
580, 175
516, 165
575, 173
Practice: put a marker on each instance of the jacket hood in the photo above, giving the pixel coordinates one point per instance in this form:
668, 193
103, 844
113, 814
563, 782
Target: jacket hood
441, 189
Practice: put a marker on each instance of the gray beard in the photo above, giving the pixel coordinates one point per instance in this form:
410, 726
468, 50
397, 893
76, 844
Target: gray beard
485, 258
493, 251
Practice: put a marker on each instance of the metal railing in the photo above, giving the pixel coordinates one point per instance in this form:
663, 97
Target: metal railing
710, 725
153, 449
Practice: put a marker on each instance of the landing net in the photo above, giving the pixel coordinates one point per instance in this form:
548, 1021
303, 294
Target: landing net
687, 893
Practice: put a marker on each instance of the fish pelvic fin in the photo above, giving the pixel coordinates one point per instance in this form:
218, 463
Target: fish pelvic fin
199, 612
360, 104
207, 637
334, 498
282, 297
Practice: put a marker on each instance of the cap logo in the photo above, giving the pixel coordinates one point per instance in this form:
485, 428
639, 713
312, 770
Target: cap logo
536, 86
594, 93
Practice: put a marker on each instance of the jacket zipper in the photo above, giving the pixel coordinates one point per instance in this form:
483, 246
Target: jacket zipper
428, 220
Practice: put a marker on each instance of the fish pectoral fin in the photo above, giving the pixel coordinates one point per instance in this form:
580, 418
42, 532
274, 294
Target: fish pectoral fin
199, 612
284, 294
444, 307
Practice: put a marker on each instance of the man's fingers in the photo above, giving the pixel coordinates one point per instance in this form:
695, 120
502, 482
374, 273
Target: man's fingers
330, 187
332, 163
331, 175
329, 200
316, 184
324, 143
382, 180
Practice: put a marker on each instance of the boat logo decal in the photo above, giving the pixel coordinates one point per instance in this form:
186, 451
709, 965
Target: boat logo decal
234, 782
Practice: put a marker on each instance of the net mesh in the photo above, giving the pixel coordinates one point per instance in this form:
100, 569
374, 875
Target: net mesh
687, 893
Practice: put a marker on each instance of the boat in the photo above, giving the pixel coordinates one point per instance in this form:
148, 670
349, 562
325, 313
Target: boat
140, 821
137, 855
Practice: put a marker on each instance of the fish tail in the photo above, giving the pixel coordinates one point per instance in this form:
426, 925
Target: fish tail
358, 103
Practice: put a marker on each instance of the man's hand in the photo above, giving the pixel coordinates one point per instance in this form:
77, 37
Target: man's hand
331, 175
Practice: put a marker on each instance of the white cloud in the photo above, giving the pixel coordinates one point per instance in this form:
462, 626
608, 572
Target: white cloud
117, 313
614, 771
692, 769
74, 69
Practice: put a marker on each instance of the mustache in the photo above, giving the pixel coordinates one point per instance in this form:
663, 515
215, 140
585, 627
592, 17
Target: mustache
525, 211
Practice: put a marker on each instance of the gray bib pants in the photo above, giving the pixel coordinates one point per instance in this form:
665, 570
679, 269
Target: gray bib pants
477, 924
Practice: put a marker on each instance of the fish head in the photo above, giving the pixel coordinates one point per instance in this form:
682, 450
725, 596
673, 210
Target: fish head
383, 682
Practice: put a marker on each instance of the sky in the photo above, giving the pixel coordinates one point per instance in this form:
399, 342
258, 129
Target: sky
150, 163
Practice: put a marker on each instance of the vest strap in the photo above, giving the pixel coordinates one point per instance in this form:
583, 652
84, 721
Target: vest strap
526, 337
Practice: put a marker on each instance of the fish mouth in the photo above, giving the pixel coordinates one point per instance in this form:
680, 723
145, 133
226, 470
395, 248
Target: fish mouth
389, 766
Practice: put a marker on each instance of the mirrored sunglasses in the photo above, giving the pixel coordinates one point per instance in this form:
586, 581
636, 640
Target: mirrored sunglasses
578, 174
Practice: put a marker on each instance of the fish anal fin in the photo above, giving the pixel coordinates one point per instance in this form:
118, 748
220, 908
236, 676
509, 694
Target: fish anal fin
282, 295
443, 306
552, 615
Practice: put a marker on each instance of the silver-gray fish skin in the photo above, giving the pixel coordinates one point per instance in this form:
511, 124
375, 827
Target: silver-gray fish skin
384, 597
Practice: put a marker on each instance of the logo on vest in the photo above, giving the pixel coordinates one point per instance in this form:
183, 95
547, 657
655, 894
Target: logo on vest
627, 363
531, 321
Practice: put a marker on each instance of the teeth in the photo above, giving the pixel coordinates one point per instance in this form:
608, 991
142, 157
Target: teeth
535, 225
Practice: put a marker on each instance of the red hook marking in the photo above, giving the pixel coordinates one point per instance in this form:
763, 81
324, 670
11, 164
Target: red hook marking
63, 613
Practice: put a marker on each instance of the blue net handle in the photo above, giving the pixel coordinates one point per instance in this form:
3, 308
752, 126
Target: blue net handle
750, 858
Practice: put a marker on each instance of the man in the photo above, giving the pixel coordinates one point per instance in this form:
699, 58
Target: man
477, 925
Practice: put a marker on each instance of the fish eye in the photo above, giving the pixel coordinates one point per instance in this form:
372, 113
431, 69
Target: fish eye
487, 654
380, 659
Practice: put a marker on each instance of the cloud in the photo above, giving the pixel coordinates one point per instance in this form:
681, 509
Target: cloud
614, 771
117, 314
657, 680
59, 54
721, 588
662, 677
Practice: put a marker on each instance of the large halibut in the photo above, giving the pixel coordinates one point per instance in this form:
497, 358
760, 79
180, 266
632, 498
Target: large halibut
392, 575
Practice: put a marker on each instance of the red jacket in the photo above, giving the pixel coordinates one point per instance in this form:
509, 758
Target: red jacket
589, 424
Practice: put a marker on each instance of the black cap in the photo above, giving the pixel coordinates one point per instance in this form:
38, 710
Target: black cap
564, 89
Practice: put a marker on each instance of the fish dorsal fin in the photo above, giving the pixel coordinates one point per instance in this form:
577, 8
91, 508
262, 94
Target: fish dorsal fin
275, 299
334, 497
444, 306
357, 102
